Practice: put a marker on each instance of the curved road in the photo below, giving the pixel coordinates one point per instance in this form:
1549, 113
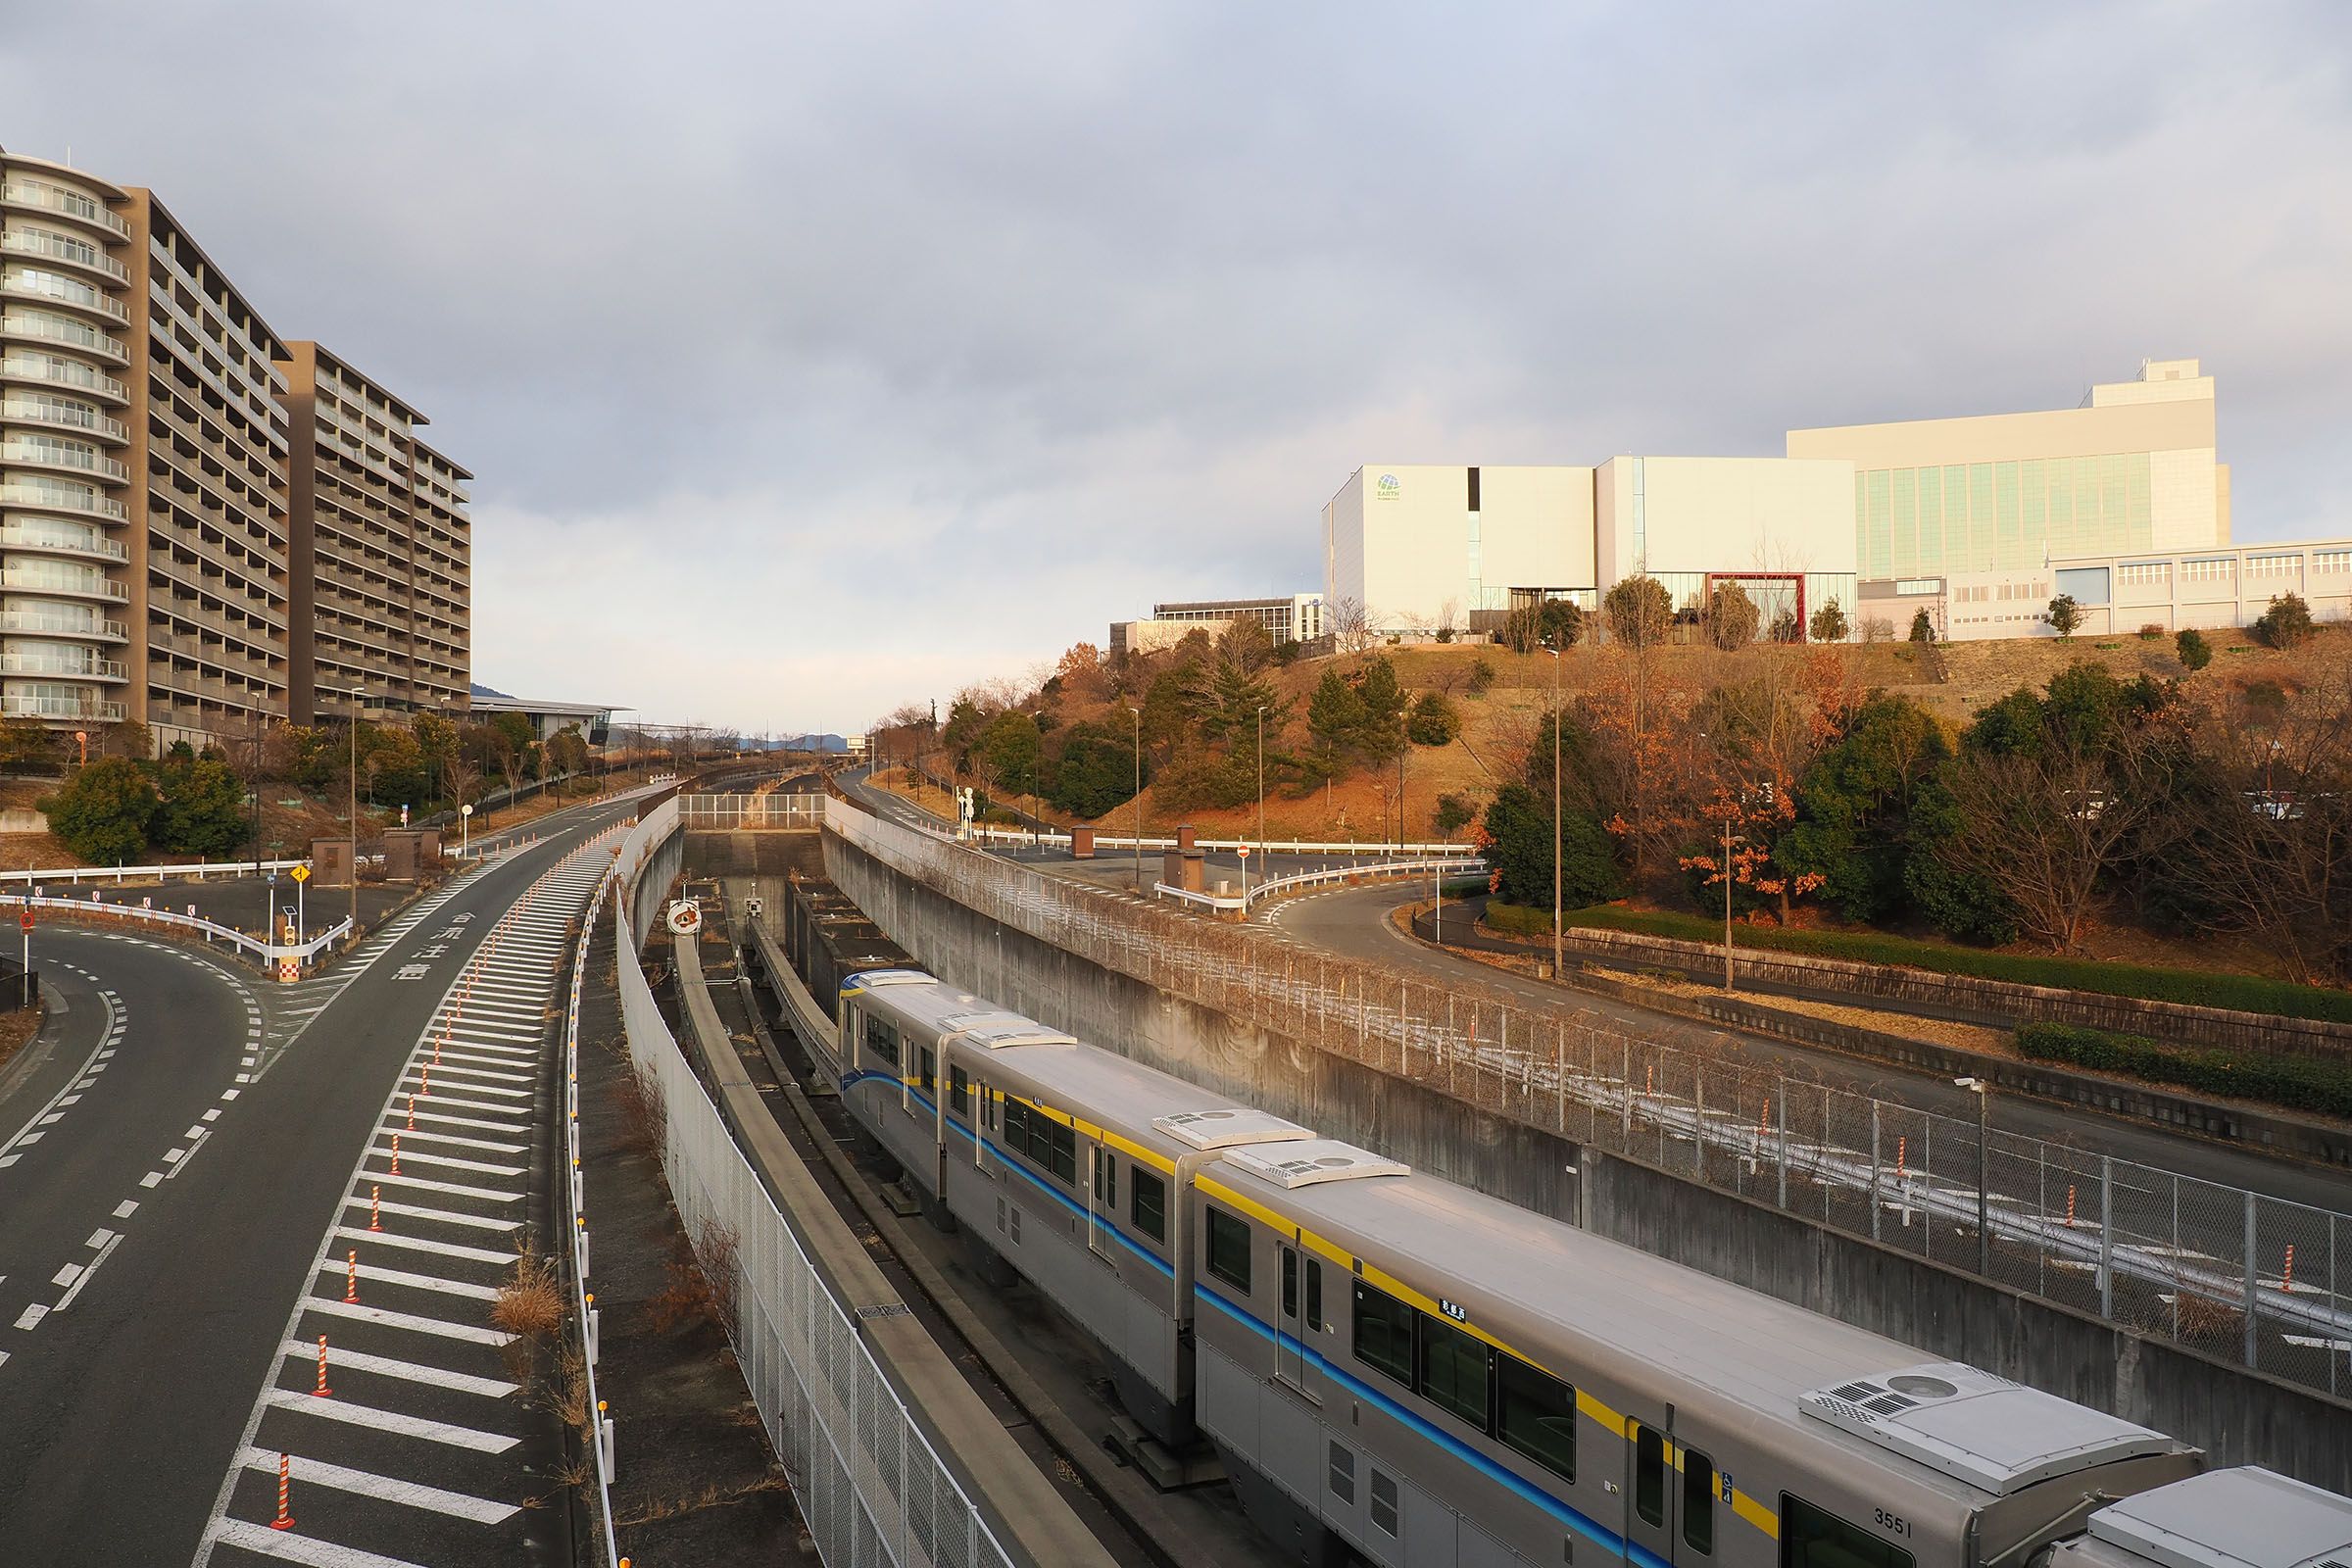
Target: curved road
1354, 923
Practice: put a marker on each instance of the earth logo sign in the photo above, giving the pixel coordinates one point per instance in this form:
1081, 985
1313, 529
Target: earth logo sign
1388, 489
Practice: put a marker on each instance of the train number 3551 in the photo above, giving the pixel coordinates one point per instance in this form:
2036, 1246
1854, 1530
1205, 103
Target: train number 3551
1894, 1523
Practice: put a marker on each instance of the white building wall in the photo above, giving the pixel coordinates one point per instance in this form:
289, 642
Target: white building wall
1402, 540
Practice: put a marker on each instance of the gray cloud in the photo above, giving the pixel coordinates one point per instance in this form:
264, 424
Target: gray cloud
813, 358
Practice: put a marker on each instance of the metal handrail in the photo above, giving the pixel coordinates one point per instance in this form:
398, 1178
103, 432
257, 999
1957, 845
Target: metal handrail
586, 1314
267, 951
1227, 902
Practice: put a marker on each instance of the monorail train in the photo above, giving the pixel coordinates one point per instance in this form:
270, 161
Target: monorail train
1399, 1370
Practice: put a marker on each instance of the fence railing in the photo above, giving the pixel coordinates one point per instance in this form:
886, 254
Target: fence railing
1333, 876
585, 1313
2249, 1277
303, 954
728, 812
75, 875
871, 1487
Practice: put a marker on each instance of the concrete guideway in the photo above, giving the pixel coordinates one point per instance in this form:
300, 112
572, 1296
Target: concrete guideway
261, 1095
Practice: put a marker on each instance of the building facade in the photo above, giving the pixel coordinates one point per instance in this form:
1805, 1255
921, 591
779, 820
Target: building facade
1781, 529
1295, 618
159, 488
2133, 468
2202, 590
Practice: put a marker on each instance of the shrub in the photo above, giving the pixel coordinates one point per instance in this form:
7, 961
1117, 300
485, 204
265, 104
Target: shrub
103, 812
1482, 678
1829, 623
1433, 721
2194, 651
1453, 814
1923, 630
2287, 623
2151, 631
2065, 614
2298, 1083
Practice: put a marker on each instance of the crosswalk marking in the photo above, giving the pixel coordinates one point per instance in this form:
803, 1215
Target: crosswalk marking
419, 1244
408, 1425
447, 1216
415, 1494
424, 1184
288, 1547
385, 1366
415, 1323
415, 1135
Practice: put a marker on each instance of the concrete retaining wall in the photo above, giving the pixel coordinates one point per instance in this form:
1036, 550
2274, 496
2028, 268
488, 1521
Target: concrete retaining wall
1974, 1001
2237, 1416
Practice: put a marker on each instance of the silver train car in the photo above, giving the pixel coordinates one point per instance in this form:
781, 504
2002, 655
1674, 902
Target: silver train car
2242, 1518
1400, 1371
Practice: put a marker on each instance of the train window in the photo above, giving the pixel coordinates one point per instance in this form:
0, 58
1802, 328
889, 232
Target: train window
1698, 1503
1453, 1371
930, 1065
1290, 1282
1342, 1473
1058, 1149
960, 1085
1649, 1476
1536, 1414
1148, 1205
882, 1040
1814, 1538
1384, 1332
1384, 1503
1314, 1295
1106, 1180
1016, 1126
1229, 1250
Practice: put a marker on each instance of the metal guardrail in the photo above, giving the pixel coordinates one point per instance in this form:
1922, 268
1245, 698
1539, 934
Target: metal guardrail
869, 1484
271, 953
75, 875
1332, 876
2261, 1281
583, 1309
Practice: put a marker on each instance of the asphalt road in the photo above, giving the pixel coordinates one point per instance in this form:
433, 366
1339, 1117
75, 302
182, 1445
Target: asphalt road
159, 1242
1354, 922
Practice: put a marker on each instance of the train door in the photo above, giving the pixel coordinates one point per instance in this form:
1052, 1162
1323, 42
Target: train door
1649, 1491
1289, 1361
1103, 1202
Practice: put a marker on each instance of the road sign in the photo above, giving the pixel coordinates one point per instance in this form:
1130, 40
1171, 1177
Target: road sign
1244, 852
464, 811
685, 917
302, 873
25, 919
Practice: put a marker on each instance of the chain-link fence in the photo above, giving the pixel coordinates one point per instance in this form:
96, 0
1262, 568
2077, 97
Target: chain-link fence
2254, 1279
871, 1487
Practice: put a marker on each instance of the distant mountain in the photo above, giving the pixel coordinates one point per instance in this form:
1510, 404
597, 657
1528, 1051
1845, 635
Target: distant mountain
811, 743
480, 690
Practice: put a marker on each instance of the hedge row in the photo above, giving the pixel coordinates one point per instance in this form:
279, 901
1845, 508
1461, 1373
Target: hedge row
2298, 1083
2242, 993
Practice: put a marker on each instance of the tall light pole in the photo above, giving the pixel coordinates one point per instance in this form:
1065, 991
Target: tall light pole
1982, 1088
1555, 812
1727, 900
1137, 714
356, 696
1261, 782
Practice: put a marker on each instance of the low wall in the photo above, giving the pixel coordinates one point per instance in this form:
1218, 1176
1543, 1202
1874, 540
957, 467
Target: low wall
2274, 1132
2237, 1416
1967, 997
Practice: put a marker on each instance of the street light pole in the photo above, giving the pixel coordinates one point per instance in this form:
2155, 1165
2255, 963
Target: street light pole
1261, 782
1726, 900
356, 696
1137, 714
1984, 1092
1555, 812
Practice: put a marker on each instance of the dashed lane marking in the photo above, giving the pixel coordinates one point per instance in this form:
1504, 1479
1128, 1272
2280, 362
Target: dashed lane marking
125, 1209
413, 1493
32, 1316
287, 1546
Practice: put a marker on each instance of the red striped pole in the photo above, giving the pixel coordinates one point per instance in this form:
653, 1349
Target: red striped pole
2288, 1285
412, 1113
375, 1207
396, 1154
1902, 1171
425, 1083
321, 1390
350, 1277
285, 1518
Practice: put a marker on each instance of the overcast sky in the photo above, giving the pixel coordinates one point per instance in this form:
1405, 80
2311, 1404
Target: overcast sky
813, 358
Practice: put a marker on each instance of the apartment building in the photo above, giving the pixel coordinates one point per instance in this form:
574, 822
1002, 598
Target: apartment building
381, 520
160, 484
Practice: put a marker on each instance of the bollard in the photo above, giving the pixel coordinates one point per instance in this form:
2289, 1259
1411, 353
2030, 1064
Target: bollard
375, 1207
592, 1327
581, 1229
396, 1154
2286, 1285
2070, 1205
1649, 1080
424, 1082
351, 1278
603, 1435
322, 1391
412, 1113
285, 1516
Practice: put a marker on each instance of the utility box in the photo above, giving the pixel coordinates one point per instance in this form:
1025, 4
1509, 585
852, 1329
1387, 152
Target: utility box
400, 854
1082, 843
428, 844
330, 862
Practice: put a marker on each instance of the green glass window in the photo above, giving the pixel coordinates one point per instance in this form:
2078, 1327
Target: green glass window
1148, 1205
1536, 1414
1649, 1476
1384, 1332
1815, 1537
1698, 1503
1229, 1248
1905, 531
1453, 1371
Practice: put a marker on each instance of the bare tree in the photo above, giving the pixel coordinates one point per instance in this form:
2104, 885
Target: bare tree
1349, 624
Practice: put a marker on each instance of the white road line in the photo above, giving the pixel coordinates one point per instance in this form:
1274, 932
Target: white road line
125, 1209
447, 1216
154, 1178
480, 1089
449, 1120
501, 1059
423, 1184
408, 1425
370, 1273
32, 1316
68, 1275
453, 1161
411, 1493
99, 1237
98, 1053
394, 1124
385, 1366
287, 1546
477, 1254
498, 1075
87, 1274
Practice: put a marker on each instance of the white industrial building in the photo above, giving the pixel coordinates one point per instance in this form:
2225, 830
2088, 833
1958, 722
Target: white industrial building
1980, 521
